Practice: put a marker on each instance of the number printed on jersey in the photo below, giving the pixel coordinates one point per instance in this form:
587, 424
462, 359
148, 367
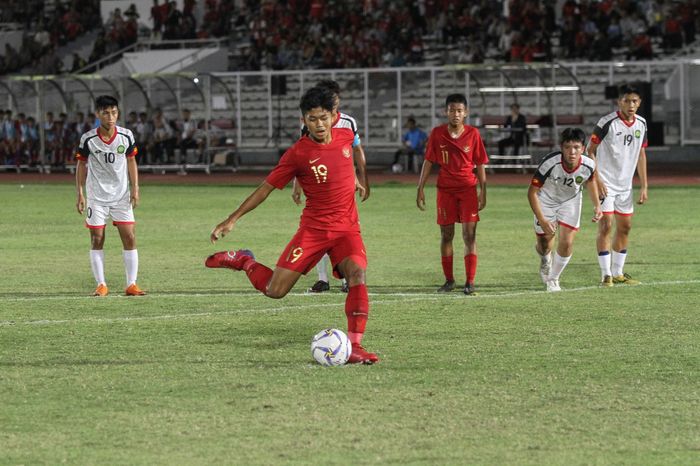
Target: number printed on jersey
320, 173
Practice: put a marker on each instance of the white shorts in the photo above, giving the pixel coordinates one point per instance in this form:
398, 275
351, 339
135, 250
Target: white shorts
618, 203
121, 214
567, 214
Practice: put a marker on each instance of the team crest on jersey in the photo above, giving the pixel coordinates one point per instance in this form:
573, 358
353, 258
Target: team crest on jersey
637, 134
466, 148
121, 149
579, 179
346, 152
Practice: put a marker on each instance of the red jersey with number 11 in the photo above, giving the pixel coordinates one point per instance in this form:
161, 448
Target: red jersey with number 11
326, 173
457, 157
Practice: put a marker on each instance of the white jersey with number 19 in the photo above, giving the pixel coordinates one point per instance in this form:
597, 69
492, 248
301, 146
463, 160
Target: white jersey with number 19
107, 173
620, 143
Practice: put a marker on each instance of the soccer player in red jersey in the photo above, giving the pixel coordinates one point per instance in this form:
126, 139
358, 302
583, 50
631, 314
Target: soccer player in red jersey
457, 149
323, 165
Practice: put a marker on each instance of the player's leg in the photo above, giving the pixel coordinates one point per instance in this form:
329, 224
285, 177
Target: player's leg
349, 253
447, 215
543, 247
470, 257
468, 211
603, 239
123, 218
562, 256
95, 220
623, 225
323, 284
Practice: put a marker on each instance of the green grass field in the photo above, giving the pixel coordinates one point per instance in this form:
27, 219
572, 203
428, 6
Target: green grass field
204, 370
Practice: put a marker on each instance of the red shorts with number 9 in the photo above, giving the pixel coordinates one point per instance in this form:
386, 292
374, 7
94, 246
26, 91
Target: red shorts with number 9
457, 207
309, 245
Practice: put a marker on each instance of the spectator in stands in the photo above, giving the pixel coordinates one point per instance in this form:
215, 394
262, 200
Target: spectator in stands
164, 139
187, 132
31, 144
640, 47
516, 125
144, 138
78, 63
413, 147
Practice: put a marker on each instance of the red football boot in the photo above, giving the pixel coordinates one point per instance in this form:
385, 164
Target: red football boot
360, 356
229, 259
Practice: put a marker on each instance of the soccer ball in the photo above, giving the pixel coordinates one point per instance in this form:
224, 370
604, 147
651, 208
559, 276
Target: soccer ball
397, 168
331, 347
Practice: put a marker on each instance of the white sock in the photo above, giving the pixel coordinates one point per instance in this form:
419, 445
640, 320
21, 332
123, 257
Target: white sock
131, 265
322, 268
618, 262
558, 265
97, 262
604, 262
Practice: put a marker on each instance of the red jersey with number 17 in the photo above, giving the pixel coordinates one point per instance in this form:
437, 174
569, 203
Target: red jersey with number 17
326, 173
456, 157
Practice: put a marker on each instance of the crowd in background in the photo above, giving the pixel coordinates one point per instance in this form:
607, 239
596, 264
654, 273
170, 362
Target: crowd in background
296, 34
160, 140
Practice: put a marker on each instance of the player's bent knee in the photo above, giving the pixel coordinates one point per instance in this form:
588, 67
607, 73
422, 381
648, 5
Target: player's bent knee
276, 293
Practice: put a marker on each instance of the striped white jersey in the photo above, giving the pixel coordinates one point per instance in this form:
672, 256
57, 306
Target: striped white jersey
107, 174
620, 143
557, 184
344, 121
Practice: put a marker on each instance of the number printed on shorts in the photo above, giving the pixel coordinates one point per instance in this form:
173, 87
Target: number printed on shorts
320, 172
295, 254
89, 212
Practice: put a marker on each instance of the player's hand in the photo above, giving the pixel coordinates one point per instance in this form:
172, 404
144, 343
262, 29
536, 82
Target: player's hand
420, 199
80, 204
135, 197
361, 190
602, 190
296, 197
548, 227
221, 230
643, 196
482, 200
597, 215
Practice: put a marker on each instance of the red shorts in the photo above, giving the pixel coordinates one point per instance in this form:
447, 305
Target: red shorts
309, 245
457, 207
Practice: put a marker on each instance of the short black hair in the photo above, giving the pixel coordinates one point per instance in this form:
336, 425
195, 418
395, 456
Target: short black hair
573, 134
105, 101
625, 89
316, 97
329, 84
456, 99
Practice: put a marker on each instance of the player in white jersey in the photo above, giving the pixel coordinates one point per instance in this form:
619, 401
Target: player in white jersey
341, 120
618, 145
106, 166
555, 198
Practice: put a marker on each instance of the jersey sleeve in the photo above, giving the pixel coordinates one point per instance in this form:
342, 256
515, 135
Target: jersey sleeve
599, 132
131, 150
83, 152
285, 170
356, 141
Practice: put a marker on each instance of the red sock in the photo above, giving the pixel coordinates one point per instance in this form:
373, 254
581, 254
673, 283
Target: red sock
258, 274
447, 268
357, 311
470, 267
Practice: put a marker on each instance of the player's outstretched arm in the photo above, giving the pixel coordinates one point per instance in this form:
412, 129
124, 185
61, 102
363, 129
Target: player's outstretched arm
424, 174
642, 172
361, 163
255, 199
592, 188
481, 176
134, 180
547, 227
80, 177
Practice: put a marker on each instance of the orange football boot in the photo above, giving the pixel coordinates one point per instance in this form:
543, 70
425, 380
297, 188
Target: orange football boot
134, 290
101, 290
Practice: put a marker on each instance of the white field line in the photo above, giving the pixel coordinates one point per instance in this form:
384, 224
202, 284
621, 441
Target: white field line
403, 298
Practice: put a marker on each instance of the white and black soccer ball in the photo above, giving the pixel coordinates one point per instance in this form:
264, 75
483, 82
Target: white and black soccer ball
331, 347
397, 168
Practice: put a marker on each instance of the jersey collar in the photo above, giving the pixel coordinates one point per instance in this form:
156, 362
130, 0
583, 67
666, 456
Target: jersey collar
99, 134
627, 123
